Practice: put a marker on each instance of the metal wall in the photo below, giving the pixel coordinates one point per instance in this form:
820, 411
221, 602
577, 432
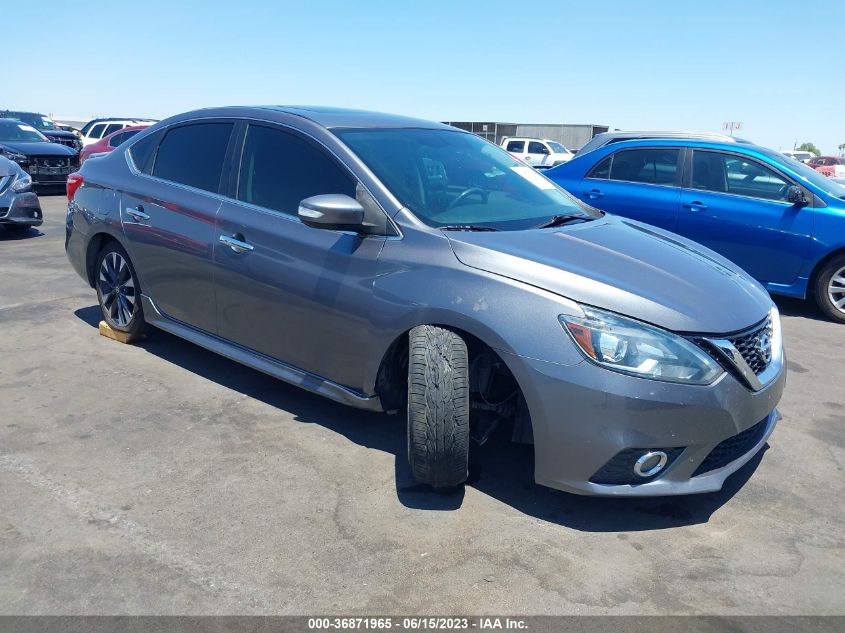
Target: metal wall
572, 136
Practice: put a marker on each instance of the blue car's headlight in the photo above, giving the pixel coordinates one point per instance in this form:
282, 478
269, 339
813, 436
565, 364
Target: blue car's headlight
15, 156
637, 349
22, 183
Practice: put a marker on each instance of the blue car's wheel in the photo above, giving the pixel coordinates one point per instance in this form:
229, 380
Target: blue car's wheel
830, 289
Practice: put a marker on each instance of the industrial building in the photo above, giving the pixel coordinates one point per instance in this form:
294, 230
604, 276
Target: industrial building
572, 136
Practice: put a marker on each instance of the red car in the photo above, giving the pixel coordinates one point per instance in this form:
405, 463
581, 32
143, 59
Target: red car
108, 143
833, 166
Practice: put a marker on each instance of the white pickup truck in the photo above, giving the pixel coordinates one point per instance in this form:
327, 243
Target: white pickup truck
537, 152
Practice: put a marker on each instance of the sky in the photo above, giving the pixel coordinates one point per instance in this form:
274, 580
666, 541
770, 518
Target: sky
777, 66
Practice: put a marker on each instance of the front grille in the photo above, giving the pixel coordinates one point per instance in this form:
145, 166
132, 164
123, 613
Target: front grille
619, 471
755, 345
52, 161
732, 448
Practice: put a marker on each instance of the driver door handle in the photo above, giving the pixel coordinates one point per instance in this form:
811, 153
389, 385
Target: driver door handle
593, 194
695, 206
236, 243
137, 214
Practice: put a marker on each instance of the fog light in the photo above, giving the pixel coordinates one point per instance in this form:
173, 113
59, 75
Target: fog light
651, 463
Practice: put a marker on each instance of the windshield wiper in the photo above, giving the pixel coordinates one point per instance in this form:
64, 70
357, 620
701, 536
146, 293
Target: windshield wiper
560, 220
467, 227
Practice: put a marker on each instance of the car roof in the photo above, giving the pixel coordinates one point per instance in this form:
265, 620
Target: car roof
680, 142
670, 134
327, 117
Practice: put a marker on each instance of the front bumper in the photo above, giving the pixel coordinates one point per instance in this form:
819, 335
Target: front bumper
583, 416
23, 209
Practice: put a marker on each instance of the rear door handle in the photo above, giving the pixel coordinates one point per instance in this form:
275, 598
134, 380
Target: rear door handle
695, 206
236, 243
137, 214
595, 193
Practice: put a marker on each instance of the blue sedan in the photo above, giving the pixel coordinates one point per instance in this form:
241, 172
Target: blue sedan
780, 220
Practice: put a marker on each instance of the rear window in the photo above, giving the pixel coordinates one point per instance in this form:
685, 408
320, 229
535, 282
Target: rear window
143, 151
193, 155
515, 146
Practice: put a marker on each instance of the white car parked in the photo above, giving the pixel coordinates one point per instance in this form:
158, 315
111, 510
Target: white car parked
96, 129
801, 156
537, 152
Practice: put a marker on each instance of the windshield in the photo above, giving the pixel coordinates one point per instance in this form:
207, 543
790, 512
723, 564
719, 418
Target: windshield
806, 173
557, 148
38, 121
451, 178
16, 131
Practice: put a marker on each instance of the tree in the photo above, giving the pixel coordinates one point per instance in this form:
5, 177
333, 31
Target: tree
809, 147
842, 149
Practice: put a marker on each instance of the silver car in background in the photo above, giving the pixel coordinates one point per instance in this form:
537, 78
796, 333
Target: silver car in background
400, 265
19, 206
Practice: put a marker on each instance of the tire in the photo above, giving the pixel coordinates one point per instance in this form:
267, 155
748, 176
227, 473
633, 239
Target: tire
438, 407
830, 289
121, 308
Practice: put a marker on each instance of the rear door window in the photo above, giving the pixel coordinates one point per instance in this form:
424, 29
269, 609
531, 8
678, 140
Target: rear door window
654, 166
737, 175
279, 170
515, 146
193, 155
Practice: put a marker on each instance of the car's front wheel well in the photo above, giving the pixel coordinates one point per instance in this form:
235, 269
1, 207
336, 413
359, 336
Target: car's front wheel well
96, 244
495, 395
819, 267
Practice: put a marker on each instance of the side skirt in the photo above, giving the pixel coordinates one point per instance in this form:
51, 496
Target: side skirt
250, 358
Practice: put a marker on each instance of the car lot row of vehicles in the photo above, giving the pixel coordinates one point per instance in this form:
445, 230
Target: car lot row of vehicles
394, 265
49, 153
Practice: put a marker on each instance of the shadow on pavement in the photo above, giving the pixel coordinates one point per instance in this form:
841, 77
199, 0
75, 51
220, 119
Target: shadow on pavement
499, 469
808, 309
15, 234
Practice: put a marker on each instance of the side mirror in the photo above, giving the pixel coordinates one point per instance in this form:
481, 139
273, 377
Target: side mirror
332, 211
796, 195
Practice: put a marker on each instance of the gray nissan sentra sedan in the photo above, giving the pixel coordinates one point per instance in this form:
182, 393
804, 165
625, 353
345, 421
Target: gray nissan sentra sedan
393, 264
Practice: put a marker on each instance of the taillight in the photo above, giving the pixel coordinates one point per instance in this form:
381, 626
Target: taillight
74, 182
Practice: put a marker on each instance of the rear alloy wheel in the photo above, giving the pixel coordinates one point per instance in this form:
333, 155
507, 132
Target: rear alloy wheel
830, 289
438, 407
118, 291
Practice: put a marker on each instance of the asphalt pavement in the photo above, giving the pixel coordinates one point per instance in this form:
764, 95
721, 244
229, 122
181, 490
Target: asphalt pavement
158, 478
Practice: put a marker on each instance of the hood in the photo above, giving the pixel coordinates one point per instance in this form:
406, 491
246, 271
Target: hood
39, 148
627, 267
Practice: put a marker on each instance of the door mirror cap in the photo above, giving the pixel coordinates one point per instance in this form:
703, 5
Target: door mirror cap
796, 195
332, 211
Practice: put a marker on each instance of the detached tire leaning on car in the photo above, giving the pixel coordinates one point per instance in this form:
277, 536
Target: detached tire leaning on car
438, 407
830, 289
118, 290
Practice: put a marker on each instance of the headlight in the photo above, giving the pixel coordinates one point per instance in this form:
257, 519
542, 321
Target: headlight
15, 156
22, 183
634, 348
